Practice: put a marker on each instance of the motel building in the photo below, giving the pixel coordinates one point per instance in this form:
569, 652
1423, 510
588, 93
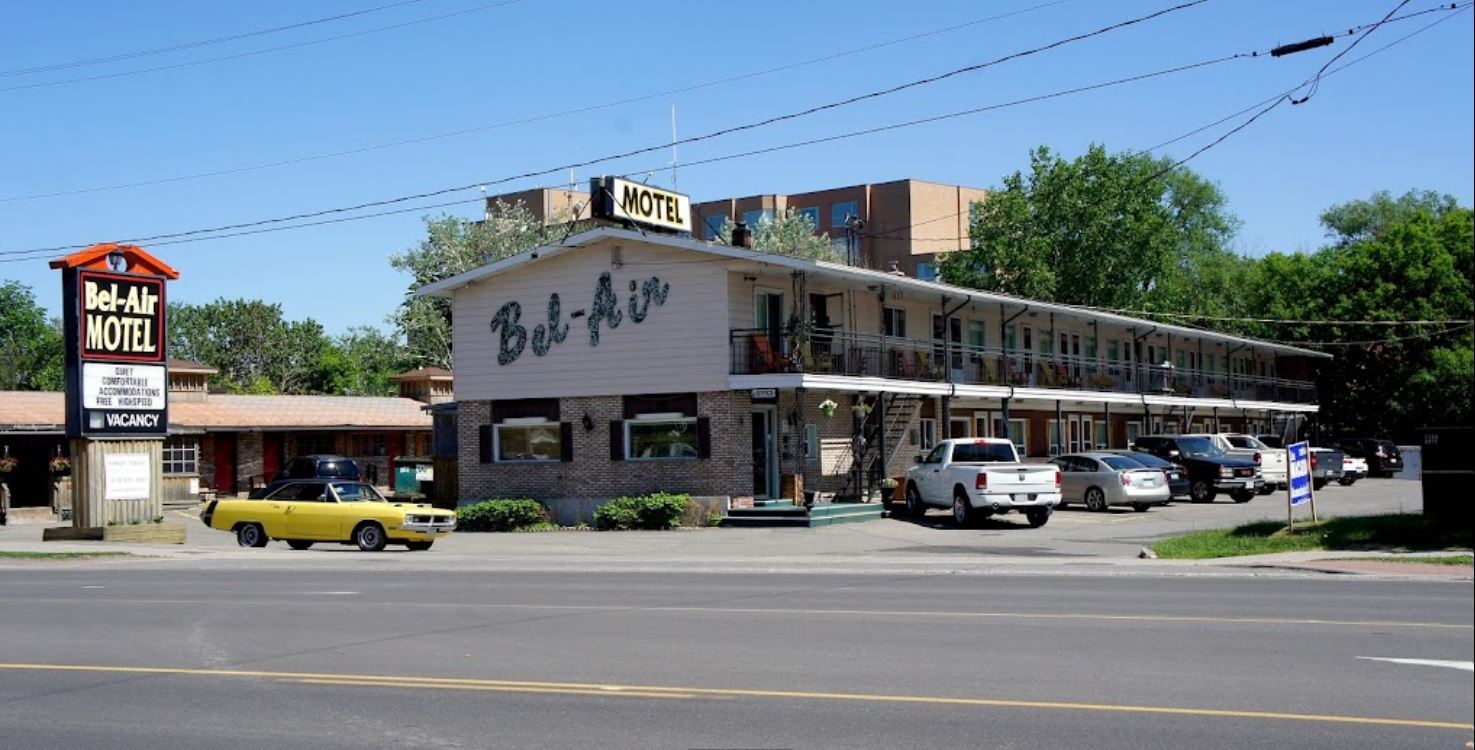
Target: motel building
622, 361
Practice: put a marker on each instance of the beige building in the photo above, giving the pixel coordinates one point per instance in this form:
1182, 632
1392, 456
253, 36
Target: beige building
908, 222
618, 362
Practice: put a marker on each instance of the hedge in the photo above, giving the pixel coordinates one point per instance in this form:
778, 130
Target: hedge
501, 515
658, 511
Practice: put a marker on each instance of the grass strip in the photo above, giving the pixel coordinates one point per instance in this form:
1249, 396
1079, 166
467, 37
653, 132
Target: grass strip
1395, 533
1426, 560
19, 555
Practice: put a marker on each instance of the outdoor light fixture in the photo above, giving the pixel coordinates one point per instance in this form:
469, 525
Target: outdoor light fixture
117, 261
587, 421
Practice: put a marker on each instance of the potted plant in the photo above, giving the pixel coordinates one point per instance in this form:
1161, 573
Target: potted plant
8, 463
861, 409
60, 466
828, 407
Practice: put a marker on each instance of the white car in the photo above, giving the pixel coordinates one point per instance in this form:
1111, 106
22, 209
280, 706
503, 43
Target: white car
1353, 469
1273, 461
980, 477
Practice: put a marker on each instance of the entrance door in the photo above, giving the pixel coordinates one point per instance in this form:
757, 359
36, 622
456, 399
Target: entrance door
765, 452
272, 447
225, 463
768, 315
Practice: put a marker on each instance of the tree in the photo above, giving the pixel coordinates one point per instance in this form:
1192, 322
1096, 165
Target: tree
788, 233
254, 348
455, 245
361, 363
30, 345
1100, 230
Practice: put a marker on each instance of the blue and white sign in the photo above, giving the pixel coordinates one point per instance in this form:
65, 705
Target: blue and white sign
1299, 471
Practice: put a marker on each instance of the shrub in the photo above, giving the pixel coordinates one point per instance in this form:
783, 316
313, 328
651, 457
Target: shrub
658, 511
501, 515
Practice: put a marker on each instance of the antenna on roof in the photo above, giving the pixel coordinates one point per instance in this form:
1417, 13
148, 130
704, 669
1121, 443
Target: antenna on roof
673, 149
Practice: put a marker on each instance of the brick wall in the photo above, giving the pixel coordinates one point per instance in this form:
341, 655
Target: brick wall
591, 473
248, 460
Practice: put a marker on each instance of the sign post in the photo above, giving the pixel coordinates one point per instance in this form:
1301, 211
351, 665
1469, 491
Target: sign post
1298, 480
117, 401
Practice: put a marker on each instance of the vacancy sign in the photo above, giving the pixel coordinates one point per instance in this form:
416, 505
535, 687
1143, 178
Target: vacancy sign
1299, 470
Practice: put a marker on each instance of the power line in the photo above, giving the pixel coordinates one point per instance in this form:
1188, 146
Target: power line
1316, 79
1454, 9
1286, 321
1374, 342
543, 117
660, 147
254, 53
200, 42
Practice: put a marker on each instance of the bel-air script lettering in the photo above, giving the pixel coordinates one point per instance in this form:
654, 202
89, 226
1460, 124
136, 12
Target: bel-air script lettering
604, 311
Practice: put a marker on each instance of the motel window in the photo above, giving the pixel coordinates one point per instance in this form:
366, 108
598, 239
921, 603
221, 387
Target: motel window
811, 441
714, 226
181, 455
812, 214
1009, 338
660, 427
760, 216
529, 440
977, 336
1056, 444
368, 444
1103, 436
927, 271
316, 444
1019, 435
929, 433
894, 321
840, 211
1134, 431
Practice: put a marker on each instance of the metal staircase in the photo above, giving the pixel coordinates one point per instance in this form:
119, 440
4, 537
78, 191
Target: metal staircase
890, 425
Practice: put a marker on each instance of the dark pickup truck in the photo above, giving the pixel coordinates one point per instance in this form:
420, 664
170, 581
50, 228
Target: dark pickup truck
1210, 471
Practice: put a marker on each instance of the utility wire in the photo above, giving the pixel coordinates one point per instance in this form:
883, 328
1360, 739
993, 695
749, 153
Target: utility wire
1286, 321
1316, 79
659, 147
254, 53
200, 42
1373, 342
1454, 9
543, 117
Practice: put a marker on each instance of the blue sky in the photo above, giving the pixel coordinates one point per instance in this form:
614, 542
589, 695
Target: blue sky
1400, 120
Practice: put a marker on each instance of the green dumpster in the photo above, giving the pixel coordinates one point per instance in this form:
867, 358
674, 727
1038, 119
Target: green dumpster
410, 473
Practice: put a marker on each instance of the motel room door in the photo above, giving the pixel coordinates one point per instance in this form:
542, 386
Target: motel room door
765, 452
225, 463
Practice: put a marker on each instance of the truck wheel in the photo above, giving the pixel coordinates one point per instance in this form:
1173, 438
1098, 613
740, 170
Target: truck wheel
1037, 517
1095, 500
1347, 481
962, 509
1201, 492
1318, 484
915, 507
370, 537
251, 535
1242, 496
298, 544
1267, 488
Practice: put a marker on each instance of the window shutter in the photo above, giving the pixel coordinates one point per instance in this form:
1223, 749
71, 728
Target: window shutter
566, 437
484, 435
704, 437
617, 441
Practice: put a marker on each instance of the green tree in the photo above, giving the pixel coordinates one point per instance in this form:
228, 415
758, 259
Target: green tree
254, 348
454, 245
361, 363
788, 233
1101, 230
31, 347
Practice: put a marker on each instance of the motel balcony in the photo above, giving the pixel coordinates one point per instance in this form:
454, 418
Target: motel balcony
844, 353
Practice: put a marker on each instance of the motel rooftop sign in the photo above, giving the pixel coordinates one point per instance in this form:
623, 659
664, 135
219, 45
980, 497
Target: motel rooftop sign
114, 309
618, 199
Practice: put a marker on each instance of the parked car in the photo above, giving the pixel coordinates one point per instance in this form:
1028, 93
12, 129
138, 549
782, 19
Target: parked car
1101, 480
1353, 469
980, 477
1210, 470
1382, 456
1326, 467
1178, 485
302, 512
1273, 461
315, 466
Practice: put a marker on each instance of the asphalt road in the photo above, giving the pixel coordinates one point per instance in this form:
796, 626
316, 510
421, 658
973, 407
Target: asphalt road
156, 657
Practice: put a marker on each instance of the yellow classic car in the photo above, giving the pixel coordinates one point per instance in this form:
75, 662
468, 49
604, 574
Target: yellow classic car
316, 510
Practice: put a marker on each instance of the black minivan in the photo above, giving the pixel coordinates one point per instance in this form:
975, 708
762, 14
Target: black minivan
317, 466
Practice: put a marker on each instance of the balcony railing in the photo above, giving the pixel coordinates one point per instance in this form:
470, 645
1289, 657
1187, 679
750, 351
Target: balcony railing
756, 351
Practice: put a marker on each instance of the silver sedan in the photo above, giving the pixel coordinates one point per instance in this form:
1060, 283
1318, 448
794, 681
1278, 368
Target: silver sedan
1101, 480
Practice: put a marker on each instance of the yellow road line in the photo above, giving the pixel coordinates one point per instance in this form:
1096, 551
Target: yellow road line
1068, 616
609, 689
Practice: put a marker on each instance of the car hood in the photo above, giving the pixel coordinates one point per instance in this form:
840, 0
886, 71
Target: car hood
1237, 463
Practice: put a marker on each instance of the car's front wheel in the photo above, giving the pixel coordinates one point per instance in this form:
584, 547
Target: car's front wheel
251, 535
915, 507
418, 546
1243, 496
962, 509
370, 537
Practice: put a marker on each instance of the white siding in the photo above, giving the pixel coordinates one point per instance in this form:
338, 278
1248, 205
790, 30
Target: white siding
681, 346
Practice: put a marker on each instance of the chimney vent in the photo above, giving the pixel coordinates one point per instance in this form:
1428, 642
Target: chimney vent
741, 237
896, 269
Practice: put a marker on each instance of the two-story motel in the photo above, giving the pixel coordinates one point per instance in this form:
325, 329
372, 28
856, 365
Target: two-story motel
620, 362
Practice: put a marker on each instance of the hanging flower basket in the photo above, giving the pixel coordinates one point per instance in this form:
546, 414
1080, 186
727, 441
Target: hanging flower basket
8, 464
828, 407
861, 409
60, 466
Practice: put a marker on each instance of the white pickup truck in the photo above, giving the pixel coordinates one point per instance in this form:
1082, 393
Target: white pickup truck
980, 477
1273, 461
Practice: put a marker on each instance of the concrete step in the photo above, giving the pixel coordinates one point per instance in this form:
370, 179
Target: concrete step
30, 516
